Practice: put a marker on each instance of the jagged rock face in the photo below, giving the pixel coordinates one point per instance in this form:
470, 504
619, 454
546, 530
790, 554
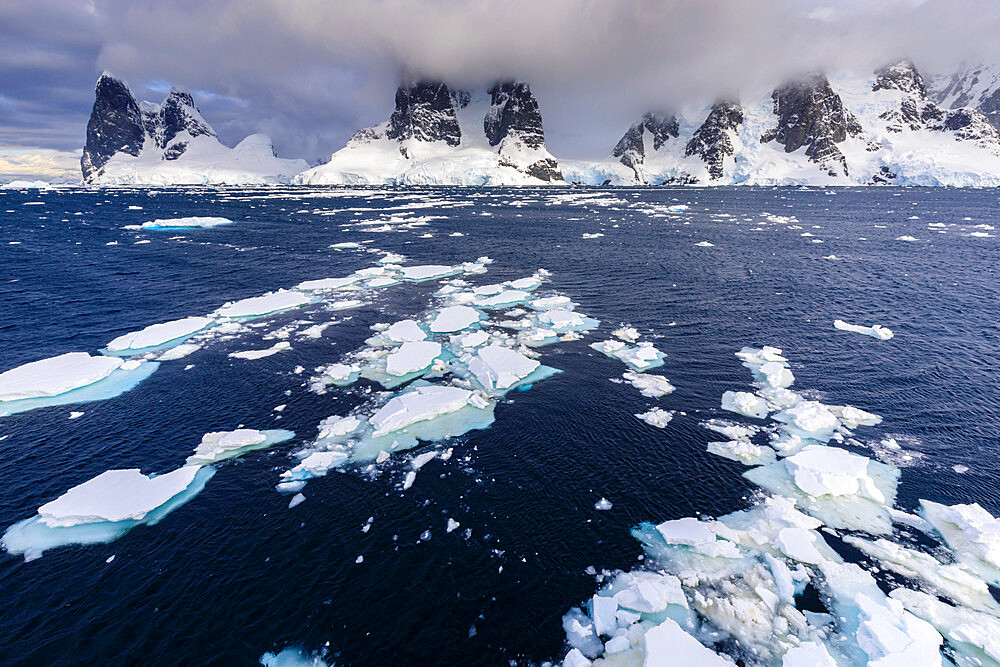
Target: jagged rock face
119, 124
902, 75
179, 114
116, 125
514, 113
514, 122
631, 149
917, 112
974, 87
425, 111
812, 115
712, 141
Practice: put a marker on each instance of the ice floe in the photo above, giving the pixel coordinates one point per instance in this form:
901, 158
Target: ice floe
191, 222
74, 377
653, 386
875, 331
158, 336
265, 305
220, 445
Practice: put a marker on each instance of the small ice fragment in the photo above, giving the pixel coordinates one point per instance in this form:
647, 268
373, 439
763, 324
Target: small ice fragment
297, 499
657, 417
409, 479
875, 331
260, 354
75, 415
705, 244
359, 560
602, 504
110, 559
744, 403
452, 525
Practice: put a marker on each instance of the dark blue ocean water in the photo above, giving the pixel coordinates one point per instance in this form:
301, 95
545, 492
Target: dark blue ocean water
235, 573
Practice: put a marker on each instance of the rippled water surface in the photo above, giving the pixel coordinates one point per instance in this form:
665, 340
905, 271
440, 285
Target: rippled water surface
235, 572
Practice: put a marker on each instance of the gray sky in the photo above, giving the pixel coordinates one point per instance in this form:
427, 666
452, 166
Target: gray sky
311, 72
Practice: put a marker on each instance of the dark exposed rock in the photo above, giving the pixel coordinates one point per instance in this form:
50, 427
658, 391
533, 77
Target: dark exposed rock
425, 111
711, 141
119, 124
885, 176
978, 88
811, 115
513, 113
179, 114
901, 75
917, 112
514, 123
631, 150
115, 126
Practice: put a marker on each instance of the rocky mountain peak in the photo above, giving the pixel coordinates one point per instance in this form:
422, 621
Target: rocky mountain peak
115, 125
712, 141
812, 115
631, 148
900, 75
425, 111
179, 114
514, 124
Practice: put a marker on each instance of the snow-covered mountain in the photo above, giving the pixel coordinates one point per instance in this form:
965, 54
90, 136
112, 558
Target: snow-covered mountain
440, 136
129, 142
883, 128
976, 87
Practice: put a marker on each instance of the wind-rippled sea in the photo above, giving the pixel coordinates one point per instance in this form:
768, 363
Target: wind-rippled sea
235, 572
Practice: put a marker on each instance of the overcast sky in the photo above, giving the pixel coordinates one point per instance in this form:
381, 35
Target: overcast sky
310, 72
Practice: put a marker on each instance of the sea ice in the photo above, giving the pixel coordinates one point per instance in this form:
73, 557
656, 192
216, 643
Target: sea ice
971, 532
744, 403
55, 375
412, 357
875, 331
170, 224
265, 305
657, 417
159, 335
653, 386
428, 272
405, 331
221, 445
498, 368
454, 318
260, 354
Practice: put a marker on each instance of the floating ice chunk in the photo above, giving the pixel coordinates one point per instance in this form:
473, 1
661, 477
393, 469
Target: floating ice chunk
345, 245
428, 272
316, 464
595, 235
159, 335
498, 368
471, 340
452, 525
657, 417
550, 302
971, 532
561, 320
744, 403
743, 451
265, 305
504, 299
420, 404
875, 331
705, 244
603, 504
75, 415
405, 331
775, 374
327, 284
105, 508
668, 644
292, 657
260, 354
626, 333
220, 445
192, 222
115, 495
454, 318
526, 283
906, 238
808, 654
653, 386
75, 377
178, 352
580, 633
412, 357
641, 357
852, 417
890, 635
754, 357
340, 374
809, 419
55, 375
296, 500
346, 304
819, 471
972, 634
